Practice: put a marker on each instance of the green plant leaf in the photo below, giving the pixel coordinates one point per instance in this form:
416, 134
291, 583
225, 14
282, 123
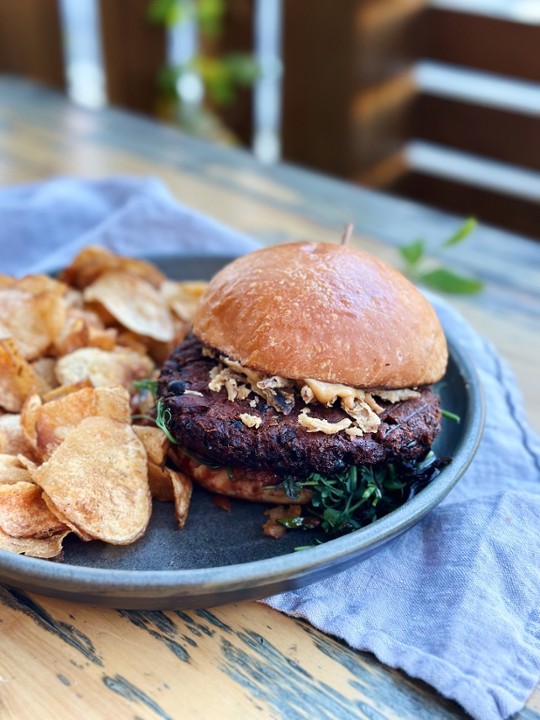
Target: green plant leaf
464, 231
168, 12
158, 10
210, 17
448, 281
413, 251
243, 68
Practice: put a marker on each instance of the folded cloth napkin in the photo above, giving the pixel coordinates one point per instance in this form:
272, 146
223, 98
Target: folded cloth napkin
455, 601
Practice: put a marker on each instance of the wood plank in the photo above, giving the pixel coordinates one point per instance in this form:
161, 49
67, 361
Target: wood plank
512, 137
382, 120
486, 43
317, 91
134, 51
31, 41
347, 81
489, 206
237, 36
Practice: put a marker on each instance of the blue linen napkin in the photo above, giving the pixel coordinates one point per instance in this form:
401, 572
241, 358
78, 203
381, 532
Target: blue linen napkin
455, 601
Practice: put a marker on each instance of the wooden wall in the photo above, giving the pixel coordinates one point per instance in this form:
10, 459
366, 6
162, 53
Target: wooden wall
351, 100
31, 41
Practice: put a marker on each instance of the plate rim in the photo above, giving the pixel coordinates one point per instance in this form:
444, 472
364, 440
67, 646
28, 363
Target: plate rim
18, 570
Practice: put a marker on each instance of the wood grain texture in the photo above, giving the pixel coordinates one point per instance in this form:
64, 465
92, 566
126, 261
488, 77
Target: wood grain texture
241, 660
100, 662
496, 45
521, 214
31, 41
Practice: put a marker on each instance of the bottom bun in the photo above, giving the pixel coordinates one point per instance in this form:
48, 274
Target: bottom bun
241, 483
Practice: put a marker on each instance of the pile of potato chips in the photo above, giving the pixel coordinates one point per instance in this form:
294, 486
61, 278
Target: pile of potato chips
76, 454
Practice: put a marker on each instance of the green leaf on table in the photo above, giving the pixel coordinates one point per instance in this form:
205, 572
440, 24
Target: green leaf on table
464, 231
449, 281
413, 251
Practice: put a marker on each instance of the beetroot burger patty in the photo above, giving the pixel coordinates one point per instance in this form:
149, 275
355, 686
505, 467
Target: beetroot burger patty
208, 425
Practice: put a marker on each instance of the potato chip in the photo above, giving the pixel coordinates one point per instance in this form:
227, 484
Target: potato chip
29, 415
63, 390
134, 303
160, 483
24, 513
160, 351
97, 479
12, 438
36, 284
57, 418
105, 339
17, 377
34, 547
155, 442
12, 470
183, 297
93, 261
32, 321
103, 368
182, 489
73, 335
44, 369
131, 340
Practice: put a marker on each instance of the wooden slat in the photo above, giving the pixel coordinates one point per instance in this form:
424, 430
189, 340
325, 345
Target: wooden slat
381, 121
511, 137
317, 91
482, 42
343, 80
489, 206
31, 40
237, 36
134, 51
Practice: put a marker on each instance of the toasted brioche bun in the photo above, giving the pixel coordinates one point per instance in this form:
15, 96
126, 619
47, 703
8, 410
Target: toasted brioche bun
323, 311
252, 485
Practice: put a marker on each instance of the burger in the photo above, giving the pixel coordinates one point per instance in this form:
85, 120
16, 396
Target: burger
307, 380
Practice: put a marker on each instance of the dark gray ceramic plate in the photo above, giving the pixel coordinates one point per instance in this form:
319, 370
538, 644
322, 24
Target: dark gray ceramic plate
221, 557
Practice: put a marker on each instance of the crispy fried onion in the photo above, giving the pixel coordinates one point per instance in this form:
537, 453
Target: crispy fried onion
280, 393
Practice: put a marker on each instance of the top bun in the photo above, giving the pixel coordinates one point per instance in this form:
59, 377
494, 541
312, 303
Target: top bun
323, 311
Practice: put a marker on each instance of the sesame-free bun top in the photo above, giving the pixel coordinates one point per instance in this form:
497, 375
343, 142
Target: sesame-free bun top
323, 311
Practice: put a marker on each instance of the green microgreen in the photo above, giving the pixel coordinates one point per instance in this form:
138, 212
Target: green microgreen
147, 384
450, 415
358, 496
440, 277
163, 418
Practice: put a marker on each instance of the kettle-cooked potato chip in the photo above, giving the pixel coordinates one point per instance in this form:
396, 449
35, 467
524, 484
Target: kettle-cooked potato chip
103, 368
183, 297
32, 321
134, 303
45, 548
93, 260
12, 438
182, 489
55, 419
12, 470
155, 442
98, 480
17, 377
160, 483
24, 513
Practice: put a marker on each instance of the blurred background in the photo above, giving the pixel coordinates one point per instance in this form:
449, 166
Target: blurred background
435, 100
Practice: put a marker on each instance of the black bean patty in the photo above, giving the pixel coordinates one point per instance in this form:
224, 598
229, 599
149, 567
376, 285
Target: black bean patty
209, 427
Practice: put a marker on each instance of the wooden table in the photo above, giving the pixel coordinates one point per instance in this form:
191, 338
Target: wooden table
243, 660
